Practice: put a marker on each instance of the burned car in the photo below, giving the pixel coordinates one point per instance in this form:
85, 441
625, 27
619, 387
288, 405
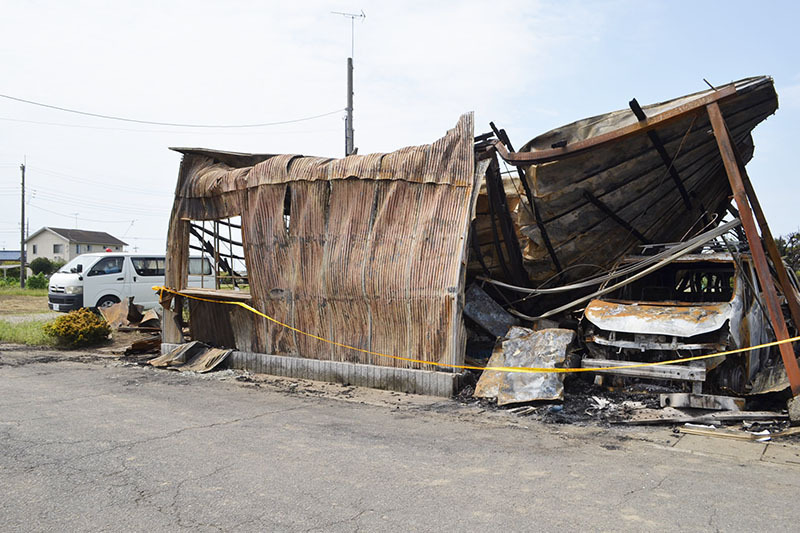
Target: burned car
698, 304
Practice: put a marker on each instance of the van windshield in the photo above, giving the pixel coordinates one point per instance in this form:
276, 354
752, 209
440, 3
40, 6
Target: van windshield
72, 266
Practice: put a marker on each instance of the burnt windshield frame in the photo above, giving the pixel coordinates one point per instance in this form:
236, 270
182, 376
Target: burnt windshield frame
683, 282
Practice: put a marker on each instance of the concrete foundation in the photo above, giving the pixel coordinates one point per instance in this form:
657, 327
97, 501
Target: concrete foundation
444, 384
793, 406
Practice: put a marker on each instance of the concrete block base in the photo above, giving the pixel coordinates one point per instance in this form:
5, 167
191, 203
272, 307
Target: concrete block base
793, 405
444, 384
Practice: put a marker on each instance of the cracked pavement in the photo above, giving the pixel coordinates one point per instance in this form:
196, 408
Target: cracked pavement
89, 443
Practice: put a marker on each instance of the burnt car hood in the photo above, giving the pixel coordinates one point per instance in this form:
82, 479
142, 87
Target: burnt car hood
658, 319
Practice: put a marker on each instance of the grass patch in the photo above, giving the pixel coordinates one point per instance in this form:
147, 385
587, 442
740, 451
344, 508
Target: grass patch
29, 332
16, 291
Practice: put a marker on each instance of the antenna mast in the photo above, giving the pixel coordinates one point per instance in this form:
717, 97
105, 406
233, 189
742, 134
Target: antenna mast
349, 136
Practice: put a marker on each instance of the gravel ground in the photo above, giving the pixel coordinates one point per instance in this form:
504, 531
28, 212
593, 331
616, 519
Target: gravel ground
30, 317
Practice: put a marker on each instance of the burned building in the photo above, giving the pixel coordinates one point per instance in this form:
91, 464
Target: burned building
364, 261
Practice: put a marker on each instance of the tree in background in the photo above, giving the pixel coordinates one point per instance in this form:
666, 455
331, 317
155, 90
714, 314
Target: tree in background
789, 248
42, 265
56, 265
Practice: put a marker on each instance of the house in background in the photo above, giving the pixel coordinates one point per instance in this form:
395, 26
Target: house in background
61, 244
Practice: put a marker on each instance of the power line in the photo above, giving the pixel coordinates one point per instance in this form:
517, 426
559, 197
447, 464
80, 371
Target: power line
110, 183
156, 123
99, 206
136, 130
106, 221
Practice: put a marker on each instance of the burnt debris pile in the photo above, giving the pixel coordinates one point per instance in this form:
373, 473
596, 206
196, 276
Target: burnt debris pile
629, 252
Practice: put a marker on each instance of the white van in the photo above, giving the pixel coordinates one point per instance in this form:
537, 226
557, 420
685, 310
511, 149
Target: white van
103, 279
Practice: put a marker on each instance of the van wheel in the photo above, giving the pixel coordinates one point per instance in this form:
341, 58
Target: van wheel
107, 301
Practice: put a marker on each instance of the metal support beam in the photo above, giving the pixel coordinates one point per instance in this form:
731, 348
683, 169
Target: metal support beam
662, 119
499, 207
772, 249
659, 146
503, 138
726, 150
209, 248
613, 216
678, 372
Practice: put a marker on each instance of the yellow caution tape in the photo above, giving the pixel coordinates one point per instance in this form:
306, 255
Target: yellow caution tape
519, 369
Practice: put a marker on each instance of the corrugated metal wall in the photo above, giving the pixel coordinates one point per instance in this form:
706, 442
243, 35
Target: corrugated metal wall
374, 253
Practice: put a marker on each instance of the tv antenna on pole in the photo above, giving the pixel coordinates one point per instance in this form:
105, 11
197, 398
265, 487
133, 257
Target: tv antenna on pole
348, 121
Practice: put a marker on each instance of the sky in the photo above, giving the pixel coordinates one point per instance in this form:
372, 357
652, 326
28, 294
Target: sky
529, 66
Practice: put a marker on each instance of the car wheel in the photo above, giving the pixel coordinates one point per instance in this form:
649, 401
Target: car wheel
107, 301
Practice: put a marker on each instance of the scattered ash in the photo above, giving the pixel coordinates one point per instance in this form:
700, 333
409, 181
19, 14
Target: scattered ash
583, 402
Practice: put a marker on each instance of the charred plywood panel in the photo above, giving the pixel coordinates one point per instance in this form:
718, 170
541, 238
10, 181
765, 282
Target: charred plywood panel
367, 251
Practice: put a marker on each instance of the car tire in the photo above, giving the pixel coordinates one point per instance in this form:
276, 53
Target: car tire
107, 301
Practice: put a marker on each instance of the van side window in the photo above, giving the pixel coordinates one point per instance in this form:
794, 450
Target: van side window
148, 266
107, 265
199, 266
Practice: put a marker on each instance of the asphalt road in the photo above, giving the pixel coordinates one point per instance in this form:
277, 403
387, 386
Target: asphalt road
91, 444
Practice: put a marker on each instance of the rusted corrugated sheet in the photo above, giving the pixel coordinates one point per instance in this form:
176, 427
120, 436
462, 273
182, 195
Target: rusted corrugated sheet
374, 252
630, 178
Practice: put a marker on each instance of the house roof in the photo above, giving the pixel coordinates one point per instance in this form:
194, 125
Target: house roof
9, 255
81, 236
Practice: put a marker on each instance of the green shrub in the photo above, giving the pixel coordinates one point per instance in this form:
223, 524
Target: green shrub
41, 265
9, 282
78, 328
37, 281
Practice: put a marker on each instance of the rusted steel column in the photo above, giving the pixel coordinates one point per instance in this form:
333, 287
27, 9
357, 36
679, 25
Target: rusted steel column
759, 258
772, 249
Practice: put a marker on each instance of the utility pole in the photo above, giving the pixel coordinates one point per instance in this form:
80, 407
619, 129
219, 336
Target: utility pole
349, 132
22, 261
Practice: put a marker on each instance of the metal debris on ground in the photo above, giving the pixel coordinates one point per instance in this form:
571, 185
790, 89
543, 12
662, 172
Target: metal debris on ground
671, 415
122, 314
702, 401
147, 345
150, 319
522, 347
192, 357
486, 312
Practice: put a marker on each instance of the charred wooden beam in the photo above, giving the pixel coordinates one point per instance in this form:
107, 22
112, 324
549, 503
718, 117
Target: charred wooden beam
476, 248
659, 146
503, 137
498, 247
602, 206
498, 207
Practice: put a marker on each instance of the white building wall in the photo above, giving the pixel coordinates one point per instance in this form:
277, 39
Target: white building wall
44, 243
